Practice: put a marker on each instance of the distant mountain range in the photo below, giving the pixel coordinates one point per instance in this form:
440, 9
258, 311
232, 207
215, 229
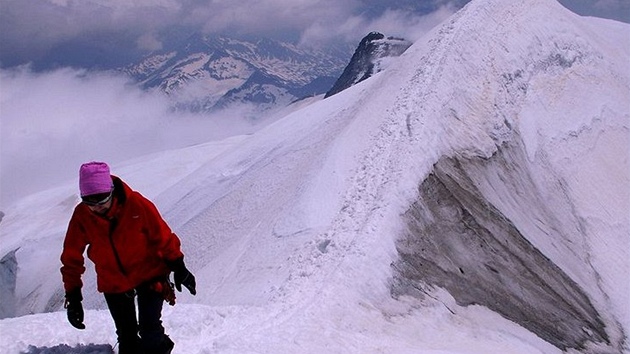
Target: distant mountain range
206, 73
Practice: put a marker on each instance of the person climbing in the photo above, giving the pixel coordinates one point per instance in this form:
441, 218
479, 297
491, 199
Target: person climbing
133, 251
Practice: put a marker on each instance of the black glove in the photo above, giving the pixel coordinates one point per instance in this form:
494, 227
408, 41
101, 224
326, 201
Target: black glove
74, 308
182, 276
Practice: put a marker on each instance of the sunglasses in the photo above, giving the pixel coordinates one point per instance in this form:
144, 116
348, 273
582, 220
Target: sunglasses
97, 199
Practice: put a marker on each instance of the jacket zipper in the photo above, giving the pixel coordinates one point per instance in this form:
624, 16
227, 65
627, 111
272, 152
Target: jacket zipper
113, 222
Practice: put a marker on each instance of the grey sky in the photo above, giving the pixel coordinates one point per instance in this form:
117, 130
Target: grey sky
614, 9
33, 29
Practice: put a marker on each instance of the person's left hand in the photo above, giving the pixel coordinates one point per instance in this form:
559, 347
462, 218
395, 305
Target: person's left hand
182, 276
186, 278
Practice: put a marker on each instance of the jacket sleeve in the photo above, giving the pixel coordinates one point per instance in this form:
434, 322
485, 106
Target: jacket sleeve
72, 260
166, 242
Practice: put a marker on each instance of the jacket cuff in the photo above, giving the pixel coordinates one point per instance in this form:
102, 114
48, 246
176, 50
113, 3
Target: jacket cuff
74, 295
176, 265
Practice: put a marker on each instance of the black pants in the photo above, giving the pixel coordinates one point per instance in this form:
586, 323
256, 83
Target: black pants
148, 323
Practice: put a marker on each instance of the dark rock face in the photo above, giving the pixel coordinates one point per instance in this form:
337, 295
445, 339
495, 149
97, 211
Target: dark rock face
66, 349
362, 65
456, 239
8, 277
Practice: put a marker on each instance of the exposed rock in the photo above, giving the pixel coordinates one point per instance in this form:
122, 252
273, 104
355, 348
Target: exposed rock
458, 240
8, 274
364, 62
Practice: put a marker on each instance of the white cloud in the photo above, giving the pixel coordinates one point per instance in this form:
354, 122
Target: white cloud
410, 26
611, 5
391, 23
613, 9
52, 122
140, 21
253, 16
30, 27
149, 42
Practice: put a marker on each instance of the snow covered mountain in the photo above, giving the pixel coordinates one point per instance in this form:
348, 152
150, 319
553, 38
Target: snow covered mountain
472, 197
368, 59
208, 72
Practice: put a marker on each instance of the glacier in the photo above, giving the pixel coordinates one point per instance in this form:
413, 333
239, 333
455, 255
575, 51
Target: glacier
472, 197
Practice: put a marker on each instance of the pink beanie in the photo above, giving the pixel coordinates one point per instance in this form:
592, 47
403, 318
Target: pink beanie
94, 178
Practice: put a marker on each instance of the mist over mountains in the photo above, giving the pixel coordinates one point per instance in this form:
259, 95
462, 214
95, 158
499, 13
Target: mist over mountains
211, 87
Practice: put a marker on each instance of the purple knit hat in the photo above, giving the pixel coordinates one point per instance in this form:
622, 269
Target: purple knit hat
94, 178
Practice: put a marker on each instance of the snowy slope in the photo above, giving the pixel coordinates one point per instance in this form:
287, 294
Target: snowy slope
292, 231
560, 91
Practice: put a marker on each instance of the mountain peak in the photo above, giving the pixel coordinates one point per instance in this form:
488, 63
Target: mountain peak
366, 60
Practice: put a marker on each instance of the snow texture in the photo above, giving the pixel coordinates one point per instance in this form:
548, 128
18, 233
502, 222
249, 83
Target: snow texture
296, 233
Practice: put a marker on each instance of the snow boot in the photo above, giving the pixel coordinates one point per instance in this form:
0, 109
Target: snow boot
131, 346
165, 346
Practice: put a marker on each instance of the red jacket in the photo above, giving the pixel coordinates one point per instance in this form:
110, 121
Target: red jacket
135, 251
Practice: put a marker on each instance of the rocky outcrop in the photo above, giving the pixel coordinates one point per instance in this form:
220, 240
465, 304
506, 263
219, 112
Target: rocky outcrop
8, 278
458, 240
364, 62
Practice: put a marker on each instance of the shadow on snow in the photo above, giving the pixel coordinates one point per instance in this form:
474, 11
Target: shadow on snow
66, 349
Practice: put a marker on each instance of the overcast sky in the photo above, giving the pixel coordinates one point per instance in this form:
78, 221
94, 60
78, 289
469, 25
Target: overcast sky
32, 30
29, 29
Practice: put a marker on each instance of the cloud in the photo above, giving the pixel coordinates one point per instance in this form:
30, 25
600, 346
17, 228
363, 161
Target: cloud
49, 22
253, 16
149, 42
398, 23
611, 5
613, 9
52, 122
32, 28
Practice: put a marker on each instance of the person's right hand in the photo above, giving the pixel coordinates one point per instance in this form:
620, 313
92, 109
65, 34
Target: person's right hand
75, 309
